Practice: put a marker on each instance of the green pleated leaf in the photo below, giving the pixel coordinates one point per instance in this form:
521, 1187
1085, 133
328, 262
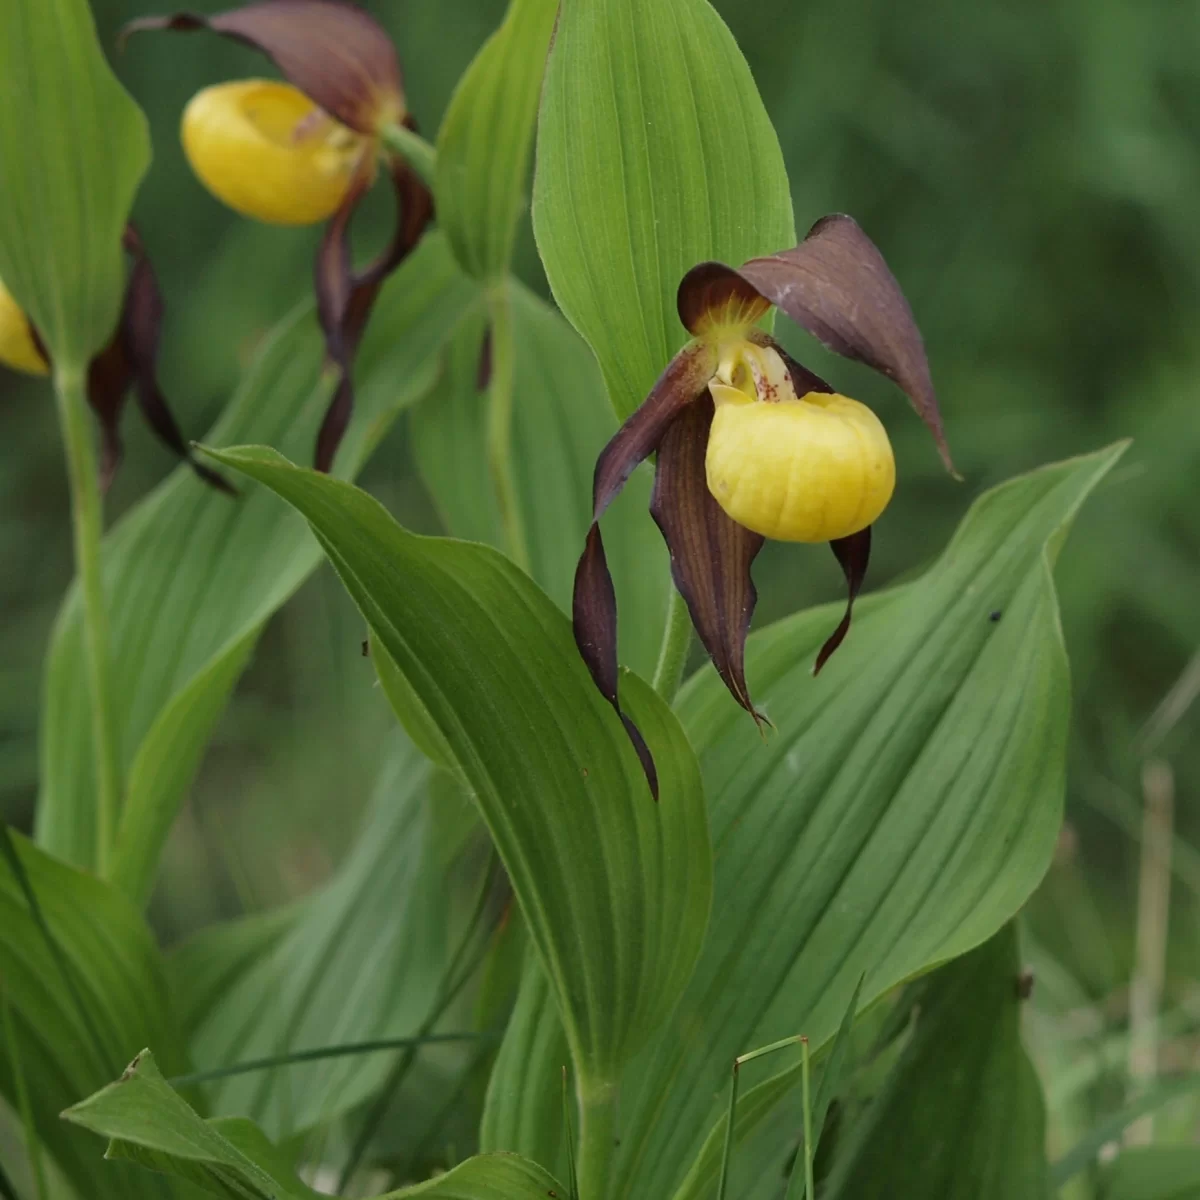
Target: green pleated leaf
904, 807
361, 960
1152, 1173
523, 1111
149, 1123
485, 137
81, 1004
615, 888
961, 1116
73, 149
654, 153
192, 576
561, 422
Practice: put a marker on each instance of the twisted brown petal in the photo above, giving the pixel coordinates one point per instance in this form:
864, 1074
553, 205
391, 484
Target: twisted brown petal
594, 603
345, 298
136, 344
837, 286
332, 50
853, 553
711, 554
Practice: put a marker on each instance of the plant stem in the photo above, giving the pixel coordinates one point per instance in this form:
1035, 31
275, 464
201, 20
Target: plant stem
413, 148
87, 518
810, 1189
500, 420
597, 1138
677, 641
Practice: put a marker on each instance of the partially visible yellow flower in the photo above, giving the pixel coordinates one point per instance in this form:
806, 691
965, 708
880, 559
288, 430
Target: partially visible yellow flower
265, 149
812, 468
306, 150
17, 347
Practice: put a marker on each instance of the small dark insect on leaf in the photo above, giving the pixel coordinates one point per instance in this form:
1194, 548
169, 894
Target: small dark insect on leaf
994, 616
1025, 985
366, 648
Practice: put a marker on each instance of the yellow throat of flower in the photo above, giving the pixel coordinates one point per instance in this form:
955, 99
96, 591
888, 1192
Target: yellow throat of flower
266, 150
17, 347
808, 468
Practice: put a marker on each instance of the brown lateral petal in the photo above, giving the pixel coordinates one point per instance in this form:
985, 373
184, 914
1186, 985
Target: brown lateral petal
711, 554
109, 379
332, 50
853, 553
594, 620
133, 358
594, 602
345, 298
685, 378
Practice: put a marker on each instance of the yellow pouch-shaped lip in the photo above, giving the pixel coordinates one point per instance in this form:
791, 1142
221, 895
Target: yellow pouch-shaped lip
811, 469
265, 149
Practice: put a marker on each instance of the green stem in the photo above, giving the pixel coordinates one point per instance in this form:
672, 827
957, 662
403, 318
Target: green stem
88, 520
597, 1138
500, 421
677, 641
413, 148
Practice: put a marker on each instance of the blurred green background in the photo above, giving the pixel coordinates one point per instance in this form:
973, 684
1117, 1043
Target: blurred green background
1030, 170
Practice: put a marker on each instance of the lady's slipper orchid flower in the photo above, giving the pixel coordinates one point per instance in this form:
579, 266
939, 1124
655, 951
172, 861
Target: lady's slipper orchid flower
752, 445
129, 361
304, 151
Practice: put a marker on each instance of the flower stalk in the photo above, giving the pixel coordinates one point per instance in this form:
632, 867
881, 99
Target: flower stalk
88, 521
597, 1138
413, 148
499, 424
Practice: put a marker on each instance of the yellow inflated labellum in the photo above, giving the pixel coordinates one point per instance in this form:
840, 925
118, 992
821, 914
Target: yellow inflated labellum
797, 469
266, 150
17, 347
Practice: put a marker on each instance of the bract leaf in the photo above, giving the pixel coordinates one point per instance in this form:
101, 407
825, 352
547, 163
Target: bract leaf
654, 153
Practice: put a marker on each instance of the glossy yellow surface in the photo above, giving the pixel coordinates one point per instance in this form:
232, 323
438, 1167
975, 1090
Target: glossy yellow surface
17, 347
268, 152
796, 469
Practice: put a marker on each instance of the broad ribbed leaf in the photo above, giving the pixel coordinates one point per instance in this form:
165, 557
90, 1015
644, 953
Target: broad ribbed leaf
654, 153
615, 888
79, 1017
192, 575
561, 422
361, 960
523, 1112
73, 149
485, 137
905, 807
961, 1116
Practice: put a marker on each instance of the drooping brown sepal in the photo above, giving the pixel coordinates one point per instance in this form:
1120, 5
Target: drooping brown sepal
345, 297
853, 554
130, 360
594, 603
837, 285
332, 50
711, 554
